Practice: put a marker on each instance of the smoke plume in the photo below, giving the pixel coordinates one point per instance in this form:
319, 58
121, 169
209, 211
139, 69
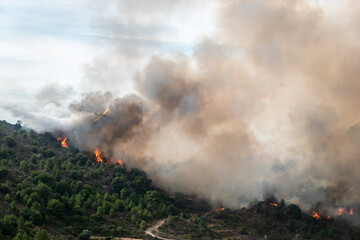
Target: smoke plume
268, 105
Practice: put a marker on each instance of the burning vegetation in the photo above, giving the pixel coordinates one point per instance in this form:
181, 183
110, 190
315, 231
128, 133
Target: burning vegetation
343, 211
315, 215
63, 142
99, 158
98, 155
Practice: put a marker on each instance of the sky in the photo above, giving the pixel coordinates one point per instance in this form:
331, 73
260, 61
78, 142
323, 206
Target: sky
59, 43
65, 43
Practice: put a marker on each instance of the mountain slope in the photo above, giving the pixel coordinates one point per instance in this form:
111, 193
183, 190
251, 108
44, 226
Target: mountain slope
62, 190
50, 191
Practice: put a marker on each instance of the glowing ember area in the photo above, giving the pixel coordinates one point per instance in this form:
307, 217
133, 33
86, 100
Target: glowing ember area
97, 155
342, 211
120, 162
221, 209
190, 199
315, 215
273, 204
63, 142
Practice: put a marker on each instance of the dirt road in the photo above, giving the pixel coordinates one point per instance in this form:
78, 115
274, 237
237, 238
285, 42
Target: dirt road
154, 230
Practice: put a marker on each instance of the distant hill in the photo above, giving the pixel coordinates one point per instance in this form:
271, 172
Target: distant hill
49, 191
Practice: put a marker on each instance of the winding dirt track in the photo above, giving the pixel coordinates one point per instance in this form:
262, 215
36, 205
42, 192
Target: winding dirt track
154, 230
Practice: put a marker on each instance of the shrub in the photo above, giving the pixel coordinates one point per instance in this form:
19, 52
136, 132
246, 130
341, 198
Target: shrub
243, 230
170, 220
332, 233
291, 226
85, 234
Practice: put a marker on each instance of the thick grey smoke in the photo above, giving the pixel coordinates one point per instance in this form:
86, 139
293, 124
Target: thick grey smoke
269, 105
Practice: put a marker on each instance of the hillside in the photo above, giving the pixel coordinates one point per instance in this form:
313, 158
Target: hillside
50, 191
64, 191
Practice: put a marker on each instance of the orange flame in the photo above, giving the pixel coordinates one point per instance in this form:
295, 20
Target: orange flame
315, 215
190, 199
273, 204
63, 142
221, 209
120, 162
342, 211
97, 155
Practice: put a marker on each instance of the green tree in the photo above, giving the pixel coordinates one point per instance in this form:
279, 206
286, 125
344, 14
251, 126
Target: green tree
13, 206
7, 197
133, 218
80, 158
119, 205
118, 183
295, 211
9, 225
41, 235
3, 172
45, 178
32, 133
10, 142
63, 187
17, 126
152, 199
49, 153
282, 203
34, 149
4, 188
21, 223
24, 166
21, 235
55, 207
42, 163
143, 225
43, 190
112, 212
